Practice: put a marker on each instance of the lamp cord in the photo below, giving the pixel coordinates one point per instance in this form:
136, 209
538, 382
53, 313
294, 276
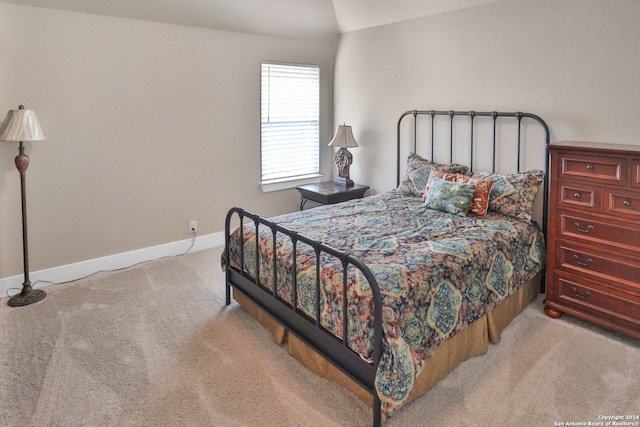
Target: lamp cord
193, 242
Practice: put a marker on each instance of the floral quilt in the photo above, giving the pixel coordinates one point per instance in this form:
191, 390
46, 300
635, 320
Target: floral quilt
437, 274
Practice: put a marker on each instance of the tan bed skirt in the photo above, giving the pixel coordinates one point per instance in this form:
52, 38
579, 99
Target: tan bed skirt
472, 341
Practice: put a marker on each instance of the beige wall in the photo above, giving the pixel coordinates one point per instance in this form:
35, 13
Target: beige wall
149, 126
152, 125
576, 63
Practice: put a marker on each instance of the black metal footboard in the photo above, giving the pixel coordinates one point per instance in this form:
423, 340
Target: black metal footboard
310, 331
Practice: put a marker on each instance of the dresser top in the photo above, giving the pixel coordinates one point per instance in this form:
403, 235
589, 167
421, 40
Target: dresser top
584, 146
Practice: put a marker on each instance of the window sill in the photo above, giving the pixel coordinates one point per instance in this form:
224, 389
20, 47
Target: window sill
270, 186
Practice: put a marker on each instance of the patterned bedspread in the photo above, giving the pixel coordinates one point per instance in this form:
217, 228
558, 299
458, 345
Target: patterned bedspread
437, 273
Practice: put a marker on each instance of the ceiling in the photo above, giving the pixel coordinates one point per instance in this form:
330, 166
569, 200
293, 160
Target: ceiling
358, 14
300, 19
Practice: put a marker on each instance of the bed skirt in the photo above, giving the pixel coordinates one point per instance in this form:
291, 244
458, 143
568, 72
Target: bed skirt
470, 342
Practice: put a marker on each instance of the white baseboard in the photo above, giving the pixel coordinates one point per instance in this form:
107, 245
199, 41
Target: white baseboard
64, 273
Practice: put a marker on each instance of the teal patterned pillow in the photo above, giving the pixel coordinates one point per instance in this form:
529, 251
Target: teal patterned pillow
416, 176
513, 194
451, 197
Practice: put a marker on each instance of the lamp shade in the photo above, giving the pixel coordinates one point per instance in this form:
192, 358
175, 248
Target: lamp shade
21, 125
343, 138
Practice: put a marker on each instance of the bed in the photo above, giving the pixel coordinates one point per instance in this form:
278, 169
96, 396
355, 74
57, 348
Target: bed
432, 270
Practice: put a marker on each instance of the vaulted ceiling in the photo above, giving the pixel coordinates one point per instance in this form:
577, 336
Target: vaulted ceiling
302, 19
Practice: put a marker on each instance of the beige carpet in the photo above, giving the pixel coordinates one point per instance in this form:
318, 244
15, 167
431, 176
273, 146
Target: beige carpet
155, 346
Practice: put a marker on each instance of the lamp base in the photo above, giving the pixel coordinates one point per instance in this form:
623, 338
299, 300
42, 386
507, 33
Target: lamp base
346, 181
27, 296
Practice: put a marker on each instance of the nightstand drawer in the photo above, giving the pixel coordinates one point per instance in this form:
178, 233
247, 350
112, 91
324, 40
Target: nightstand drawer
603, 169
599, 265
580, 196
314, 197
609, 305
623, 203
588, 230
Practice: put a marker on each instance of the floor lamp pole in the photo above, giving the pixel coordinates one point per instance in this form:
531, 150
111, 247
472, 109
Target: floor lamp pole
28, 294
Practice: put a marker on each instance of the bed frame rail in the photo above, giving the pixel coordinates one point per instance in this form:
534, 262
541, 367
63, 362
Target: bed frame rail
310, 331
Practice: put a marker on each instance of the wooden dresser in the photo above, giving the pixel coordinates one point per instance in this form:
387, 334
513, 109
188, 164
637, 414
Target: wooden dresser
593, 247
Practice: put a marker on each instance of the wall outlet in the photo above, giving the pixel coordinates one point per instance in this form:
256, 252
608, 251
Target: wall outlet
193, 226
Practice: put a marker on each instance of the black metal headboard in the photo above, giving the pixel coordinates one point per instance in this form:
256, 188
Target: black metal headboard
494, 119
471, 115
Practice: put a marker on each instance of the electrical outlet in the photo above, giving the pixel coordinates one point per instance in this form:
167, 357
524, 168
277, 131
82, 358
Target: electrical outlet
193, 226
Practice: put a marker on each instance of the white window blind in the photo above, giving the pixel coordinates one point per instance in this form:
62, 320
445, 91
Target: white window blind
290, 111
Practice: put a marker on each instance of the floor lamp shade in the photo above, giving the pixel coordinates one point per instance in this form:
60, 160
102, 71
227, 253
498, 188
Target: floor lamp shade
22, 125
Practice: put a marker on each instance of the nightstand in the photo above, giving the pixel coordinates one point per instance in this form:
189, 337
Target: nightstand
328, 193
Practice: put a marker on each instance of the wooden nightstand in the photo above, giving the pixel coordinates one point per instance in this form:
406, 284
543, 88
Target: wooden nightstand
328, 193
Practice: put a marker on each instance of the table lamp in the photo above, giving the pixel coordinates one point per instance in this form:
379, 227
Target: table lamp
343, 139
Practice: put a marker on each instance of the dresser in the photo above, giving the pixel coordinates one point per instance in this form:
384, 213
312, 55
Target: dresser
593, 241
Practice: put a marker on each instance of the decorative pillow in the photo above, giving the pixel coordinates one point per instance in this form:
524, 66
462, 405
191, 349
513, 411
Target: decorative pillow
480, 201
451, 197
481, 195
417, 174
447, 176
513, 195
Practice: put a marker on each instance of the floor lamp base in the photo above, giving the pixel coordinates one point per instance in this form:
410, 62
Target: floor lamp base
26, 297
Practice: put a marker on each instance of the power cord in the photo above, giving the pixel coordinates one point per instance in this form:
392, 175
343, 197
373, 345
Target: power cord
193, 242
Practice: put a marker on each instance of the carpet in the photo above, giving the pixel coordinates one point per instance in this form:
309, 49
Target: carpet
154, 345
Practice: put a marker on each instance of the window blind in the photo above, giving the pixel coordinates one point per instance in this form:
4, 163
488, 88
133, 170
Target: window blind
290, 117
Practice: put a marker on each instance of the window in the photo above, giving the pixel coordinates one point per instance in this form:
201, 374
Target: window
290, 117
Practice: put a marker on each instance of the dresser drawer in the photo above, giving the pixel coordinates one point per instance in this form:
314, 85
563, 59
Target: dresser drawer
579, 196
600, 169
622, 203
600, 265
635, 173
586, 229
609, 306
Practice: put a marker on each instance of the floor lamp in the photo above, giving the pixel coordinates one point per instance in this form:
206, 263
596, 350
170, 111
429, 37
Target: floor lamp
22, 125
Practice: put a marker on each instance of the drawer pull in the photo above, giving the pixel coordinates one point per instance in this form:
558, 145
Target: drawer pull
586, 263
583, 230
577, 195
586, 294
590, 167
626, 203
